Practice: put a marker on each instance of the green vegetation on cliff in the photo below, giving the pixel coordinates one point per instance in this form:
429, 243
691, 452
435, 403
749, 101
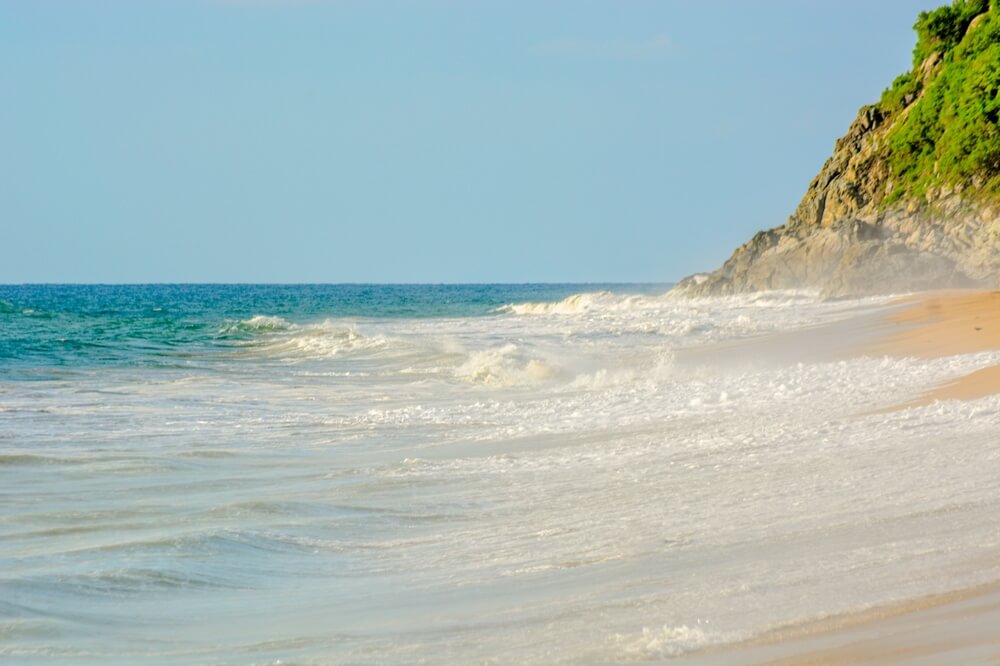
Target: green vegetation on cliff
945, 111
910, 198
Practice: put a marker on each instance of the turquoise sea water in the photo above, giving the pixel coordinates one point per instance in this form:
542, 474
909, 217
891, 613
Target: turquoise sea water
461, 474
48, 326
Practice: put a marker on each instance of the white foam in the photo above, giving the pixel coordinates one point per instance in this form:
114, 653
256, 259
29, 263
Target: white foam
258, 323
504, 366
585, 302
659, 643
560, 469
267, 322
323, 340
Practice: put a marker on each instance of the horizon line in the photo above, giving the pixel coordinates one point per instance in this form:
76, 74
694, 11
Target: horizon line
332, 284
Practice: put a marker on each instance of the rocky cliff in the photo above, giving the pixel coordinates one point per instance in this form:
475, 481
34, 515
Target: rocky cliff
909, 198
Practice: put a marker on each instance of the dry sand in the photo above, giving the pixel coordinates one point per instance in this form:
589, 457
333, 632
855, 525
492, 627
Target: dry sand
946, 324
933, 325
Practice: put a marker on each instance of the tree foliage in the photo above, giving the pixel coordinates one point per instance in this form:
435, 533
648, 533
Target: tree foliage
949, 135
944, 27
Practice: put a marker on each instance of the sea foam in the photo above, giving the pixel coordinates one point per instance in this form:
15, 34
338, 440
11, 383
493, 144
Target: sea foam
257, 323
504, 366
589, 480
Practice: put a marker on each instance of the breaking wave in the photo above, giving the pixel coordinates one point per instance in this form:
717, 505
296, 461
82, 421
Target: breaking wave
585, 302
608, 302
603, 441
257, 324
326, 339
505, 366
276, 336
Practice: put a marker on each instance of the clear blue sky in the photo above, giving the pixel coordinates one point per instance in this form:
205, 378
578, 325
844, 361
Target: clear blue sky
437, 141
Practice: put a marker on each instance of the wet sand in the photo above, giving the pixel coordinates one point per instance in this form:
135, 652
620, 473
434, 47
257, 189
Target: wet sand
955, 628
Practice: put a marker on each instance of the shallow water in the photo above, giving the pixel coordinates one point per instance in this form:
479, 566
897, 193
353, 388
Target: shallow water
324, 474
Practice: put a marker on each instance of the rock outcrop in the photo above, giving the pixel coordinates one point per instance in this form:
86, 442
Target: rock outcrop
850, 236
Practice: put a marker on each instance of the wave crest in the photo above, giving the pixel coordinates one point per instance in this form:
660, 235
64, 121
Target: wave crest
324, 340
257, 324
504, 366
585, 302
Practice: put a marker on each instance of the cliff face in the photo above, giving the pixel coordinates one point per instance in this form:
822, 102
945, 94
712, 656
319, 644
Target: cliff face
871, 222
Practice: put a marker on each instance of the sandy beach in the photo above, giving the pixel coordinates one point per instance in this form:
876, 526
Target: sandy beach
938, 325
960, 627
955, 628
594, 477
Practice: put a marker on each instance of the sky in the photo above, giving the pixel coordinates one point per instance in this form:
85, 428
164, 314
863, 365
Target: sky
409, 141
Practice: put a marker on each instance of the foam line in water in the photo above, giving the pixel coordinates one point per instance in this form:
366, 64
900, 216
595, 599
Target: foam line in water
569, 481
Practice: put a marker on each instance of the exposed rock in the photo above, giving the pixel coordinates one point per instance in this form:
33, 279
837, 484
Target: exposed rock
842, 240
910, 197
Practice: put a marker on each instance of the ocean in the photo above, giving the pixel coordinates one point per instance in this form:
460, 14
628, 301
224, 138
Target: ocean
330, 474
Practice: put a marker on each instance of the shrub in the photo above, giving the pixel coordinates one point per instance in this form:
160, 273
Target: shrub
943, 28
951, 134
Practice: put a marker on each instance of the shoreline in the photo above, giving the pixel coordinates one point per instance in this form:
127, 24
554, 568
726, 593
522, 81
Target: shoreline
951, 627
934, 325
959, 626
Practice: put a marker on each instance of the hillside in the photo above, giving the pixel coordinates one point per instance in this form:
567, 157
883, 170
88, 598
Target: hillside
910, 198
